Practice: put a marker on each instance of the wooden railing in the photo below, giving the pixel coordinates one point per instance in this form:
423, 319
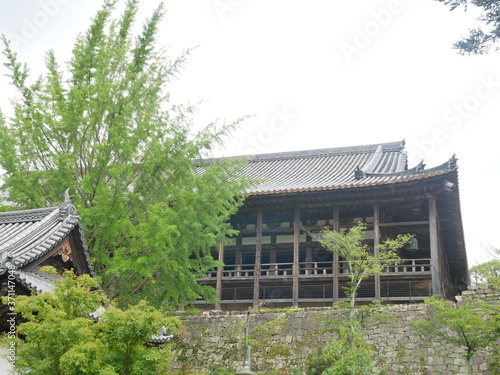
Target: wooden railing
392, 290
407, 266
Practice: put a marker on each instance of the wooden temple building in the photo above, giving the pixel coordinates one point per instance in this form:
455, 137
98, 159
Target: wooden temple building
30, 239
277, 260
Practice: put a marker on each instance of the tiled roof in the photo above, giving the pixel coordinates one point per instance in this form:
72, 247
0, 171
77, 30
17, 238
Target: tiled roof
335, 168
28, 235
36, 280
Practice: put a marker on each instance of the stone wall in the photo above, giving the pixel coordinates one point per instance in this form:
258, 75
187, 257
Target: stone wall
287, 338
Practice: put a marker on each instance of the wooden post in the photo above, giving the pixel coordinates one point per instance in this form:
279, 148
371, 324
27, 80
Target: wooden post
258, 253
218, 285
335, 271
272, 260
376, 242
238, 260
434, 240
296, 245
309, 260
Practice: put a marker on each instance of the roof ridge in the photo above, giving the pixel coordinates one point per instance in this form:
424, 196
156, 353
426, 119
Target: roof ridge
17, 216
399, 145
388, 146
47, 219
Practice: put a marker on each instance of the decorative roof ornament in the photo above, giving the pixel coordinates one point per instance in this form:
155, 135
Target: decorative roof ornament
67, 196
448, 185
420, 167
452, 163
6, 262
67, 207
358, 173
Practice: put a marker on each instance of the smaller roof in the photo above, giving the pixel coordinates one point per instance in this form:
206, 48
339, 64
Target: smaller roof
28, 237
37, 280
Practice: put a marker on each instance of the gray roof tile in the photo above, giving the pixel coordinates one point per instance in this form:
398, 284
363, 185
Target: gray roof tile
37, 280
335, 168
28, 235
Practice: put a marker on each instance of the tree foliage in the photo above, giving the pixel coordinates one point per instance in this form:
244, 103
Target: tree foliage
342, 356
472, 325
349, 353
486, 274
480, 41
105, 128
362, 262
59, 337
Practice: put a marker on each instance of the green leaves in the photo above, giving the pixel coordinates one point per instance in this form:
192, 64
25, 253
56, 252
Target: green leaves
471, 324
350, 354
486, 274
59, 337
105, 129
479, 42
361, 259
343, 356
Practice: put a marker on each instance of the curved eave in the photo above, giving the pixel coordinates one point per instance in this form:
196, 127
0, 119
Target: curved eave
388, 181
58, 234
35, 282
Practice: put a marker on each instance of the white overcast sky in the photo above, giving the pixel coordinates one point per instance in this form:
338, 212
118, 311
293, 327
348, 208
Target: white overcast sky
318, 74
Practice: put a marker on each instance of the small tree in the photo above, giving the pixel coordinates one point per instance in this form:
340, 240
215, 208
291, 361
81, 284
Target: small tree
349, 354
471, 325
361, 260
58, 335
486, 274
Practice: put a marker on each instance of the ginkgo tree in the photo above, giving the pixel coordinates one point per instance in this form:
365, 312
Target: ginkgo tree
103, 126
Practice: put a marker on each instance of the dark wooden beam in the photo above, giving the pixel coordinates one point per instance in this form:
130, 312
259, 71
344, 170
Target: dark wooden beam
376, 242
335, 272
404, 223
218, 285
258, 253
296, 249
434, 242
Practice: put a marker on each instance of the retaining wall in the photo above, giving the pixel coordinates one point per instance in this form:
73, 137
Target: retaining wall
287, 338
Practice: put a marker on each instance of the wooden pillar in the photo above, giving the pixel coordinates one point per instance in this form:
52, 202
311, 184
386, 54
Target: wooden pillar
272, 260
258, 253
218, 284
434, 240
376, 242
238, 261
296, 244
335, 272
309, 261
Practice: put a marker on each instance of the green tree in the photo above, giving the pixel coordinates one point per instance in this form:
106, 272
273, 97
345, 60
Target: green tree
470, 325
479, 41
346, 355
362, 262
349, 354
486, 274
105, 128
58, 336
